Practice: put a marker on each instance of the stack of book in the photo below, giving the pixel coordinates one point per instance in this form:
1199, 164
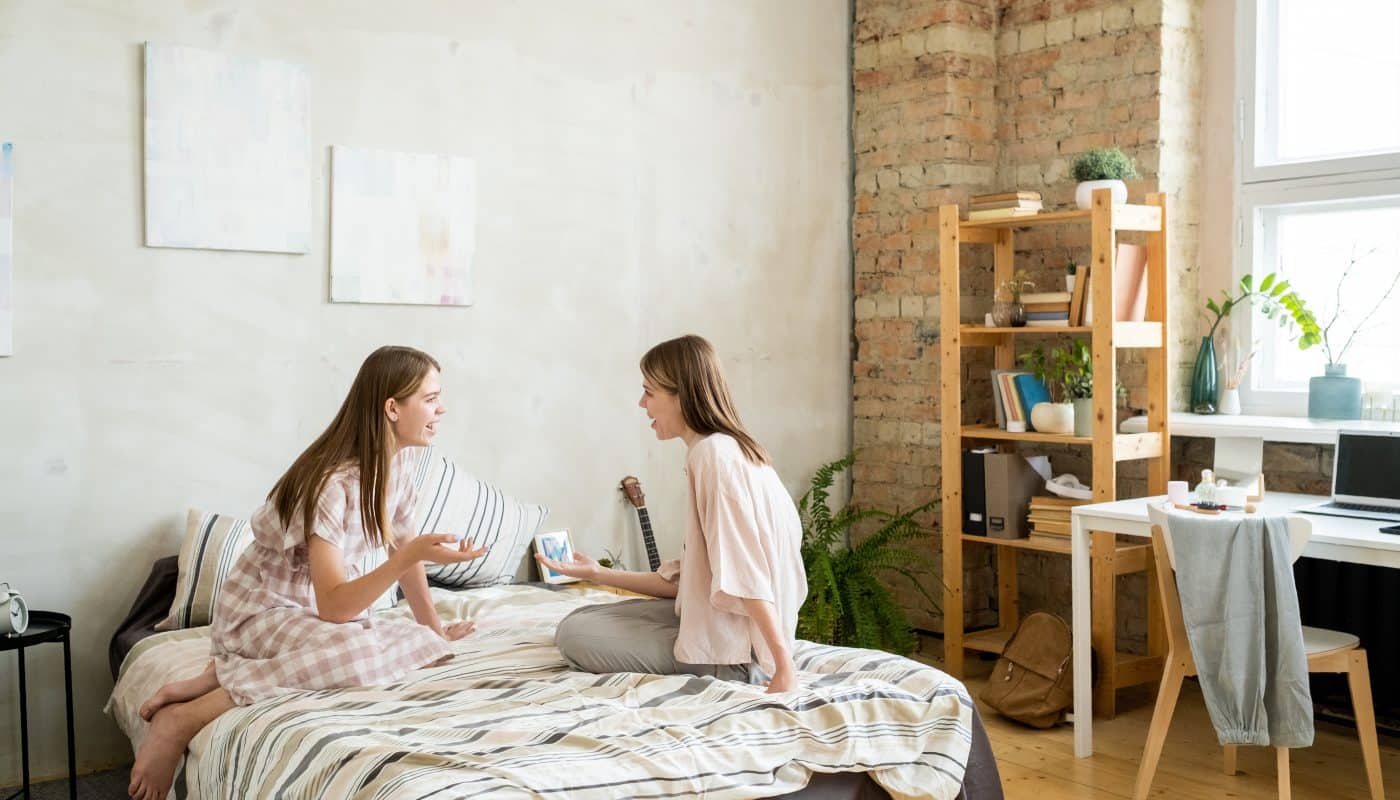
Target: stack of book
1014, 394
1049, 517
1047, 309
1003, 205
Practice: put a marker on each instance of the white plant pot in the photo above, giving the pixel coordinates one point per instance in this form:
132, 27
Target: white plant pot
1053, 417
1084, 192
1229, 401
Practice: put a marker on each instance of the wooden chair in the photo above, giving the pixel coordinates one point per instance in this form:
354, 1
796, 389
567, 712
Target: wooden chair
1327, 651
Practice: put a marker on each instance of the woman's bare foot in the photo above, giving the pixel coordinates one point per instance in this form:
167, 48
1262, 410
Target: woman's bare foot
180, 691
170, 733
160, 754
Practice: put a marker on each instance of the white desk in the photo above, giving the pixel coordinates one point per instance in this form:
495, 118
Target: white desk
1358, 541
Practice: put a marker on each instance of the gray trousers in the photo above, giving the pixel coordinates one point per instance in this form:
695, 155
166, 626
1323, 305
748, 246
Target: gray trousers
635, 636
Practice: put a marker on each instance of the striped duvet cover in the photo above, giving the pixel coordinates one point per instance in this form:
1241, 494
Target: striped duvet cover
506, 718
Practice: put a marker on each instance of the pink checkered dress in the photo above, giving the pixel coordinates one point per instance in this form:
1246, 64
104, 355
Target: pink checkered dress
267, 638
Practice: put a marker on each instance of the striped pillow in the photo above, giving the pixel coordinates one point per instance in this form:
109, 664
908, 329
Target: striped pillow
451, 501
213, 542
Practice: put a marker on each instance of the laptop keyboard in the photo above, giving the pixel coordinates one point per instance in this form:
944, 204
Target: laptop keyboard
1369, 509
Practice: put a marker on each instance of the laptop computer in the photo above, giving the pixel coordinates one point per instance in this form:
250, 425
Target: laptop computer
1365, 477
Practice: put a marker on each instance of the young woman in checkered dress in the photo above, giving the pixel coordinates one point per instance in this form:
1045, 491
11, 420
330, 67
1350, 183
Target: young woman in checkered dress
293, 613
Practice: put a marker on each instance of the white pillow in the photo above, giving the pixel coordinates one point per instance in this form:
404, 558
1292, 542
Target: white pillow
451, 501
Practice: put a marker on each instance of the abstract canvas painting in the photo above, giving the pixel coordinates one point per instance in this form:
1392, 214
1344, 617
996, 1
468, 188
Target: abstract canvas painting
228, 151
403, 227
7, 249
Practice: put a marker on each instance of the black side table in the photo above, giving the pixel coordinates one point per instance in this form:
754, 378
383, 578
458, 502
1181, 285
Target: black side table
44, 626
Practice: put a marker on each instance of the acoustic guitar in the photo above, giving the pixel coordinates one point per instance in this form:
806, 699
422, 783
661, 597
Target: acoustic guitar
633, 489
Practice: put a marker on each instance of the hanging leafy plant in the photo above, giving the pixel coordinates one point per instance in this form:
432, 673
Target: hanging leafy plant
849, 601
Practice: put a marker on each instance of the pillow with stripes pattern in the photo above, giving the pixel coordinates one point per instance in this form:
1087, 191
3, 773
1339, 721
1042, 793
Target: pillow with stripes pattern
452, 501
213, 542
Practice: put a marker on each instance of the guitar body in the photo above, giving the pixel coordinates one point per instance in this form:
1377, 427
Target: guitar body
632, 488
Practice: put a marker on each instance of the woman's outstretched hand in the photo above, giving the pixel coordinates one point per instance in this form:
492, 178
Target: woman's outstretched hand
457, 630
439, 549
581, 567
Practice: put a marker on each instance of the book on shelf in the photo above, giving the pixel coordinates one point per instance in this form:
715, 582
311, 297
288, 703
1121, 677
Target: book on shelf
1035, 308
1035, 298
1130, 283
1048, 315
1047, 323
1010, 400
1030, 391
996, 197
1081, 291
987, 205
1050, 516
1000, 213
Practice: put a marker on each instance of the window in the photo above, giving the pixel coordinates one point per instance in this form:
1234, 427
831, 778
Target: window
1319, 184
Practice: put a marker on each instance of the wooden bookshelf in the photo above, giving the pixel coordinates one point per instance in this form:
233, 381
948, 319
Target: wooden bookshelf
1107, 446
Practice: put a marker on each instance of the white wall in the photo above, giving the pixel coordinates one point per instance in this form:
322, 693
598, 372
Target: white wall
646, 169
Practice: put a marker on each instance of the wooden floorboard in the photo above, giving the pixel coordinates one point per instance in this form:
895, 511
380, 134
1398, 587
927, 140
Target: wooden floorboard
1040, 765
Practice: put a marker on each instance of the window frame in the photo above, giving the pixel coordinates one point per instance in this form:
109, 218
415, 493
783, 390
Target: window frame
1261, 188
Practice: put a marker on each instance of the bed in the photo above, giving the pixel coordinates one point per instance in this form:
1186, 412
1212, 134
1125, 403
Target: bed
506, 718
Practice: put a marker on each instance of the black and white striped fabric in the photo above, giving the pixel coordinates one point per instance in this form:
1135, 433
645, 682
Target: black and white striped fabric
451, 501
507, 718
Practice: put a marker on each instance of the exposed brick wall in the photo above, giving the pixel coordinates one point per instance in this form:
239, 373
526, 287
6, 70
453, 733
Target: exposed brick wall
953, 98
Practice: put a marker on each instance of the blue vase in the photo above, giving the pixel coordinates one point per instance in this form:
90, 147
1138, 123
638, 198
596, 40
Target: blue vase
1333, 395
1204, 379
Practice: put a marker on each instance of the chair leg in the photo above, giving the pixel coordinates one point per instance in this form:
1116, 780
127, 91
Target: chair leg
1231, 754
1359, 681
1167, 694
1285, 784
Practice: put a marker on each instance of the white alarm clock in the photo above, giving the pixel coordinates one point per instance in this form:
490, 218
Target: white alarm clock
14, 614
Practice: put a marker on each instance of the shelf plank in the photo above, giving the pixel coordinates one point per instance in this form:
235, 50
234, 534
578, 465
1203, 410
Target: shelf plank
993, 432
1146, 335
1041, 545
1126, 217
1130, 446
991, 641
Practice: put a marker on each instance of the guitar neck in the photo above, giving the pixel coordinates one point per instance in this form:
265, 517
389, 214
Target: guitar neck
649, 539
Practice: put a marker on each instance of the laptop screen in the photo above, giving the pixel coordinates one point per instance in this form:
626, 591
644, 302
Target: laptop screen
1368, 466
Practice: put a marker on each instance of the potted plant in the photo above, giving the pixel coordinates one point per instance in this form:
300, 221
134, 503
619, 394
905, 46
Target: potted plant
849, 599
1103, 168
1009, 312
1333, 395
1274, 299
1068, 374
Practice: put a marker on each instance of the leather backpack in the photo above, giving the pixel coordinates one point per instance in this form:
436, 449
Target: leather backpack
1033, 680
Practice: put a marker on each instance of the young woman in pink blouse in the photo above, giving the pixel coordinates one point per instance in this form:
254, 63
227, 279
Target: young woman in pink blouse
740, 581
293, 613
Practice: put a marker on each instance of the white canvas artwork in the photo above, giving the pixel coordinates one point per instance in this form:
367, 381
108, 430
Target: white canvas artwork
403, 227
7, 249
228, 151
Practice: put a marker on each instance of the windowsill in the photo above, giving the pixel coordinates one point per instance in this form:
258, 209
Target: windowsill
1270, 429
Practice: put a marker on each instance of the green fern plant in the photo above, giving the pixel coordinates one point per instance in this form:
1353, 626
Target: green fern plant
849, 601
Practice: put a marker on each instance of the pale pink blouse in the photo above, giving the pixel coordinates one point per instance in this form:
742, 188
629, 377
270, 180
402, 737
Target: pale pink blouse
743, 540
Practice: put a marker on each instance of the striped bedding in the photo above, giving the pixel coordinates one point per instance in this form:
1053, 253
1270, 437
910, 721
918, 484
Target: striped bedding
505, 718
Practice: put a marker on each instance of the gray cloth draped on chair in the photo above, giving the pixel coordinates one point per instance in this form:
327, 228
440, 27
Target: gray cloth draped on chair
1240, 606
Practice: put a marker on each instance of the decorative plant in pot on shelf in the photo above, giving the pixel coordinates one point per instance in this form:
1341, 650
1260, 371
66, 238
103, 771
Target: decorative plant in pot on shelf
849, 599
1275, 302
1068, 374
1008, 311
1104, 168
1333, 395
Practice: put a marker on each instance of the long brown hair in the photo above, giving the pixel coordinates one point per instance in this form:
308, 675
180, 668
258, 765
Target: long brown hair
358, 436
689, 367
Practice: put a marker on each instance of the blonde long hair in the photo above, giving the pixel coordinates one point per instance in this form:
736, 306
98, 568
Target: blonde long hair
688, 366
359, 435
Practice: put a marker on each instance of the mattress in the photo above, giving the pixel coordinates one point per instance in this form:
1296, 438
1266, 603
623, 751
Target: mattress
505, 717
